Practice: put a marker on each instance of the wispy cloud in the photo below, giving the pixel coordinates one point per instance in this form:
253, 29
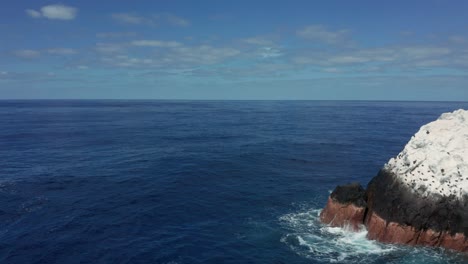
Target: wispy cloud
27, 54
116, 34
270, 52
33, 13
151, 20
130, 18
458, 39
260, 41
204, 54
26, 76
262, 56
109, 47
322, 34
400, 58
175, 20
58, 12
156, 43
62, 51
257, 70
165, 54
34, 54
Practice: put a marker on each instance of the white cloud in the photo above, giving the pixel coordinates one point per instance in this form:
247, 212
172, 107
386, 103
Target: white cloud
320, 33
33, 13
204, 54
260, 41
176, 21
28, 76
33, 54
310, 59
175, 56
424, 52
108, 47
27, 54
58, 11
257, 70
127, 61
458, 39
156, 43
61, 51
347, 59
401, 58
331, 70
116, 34
129, 18
61, 12
269, 52
151, 20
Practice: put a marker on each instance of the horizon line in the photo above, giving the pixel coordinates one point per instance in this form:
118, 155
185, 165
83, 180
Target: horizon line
167, 99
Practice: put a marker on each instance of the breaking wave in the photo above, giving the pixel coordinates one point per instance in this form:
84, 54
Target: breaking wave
311, 239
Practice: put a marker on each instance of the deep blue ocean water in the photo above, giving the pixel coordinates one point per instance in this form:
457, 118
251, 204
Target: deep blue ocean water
195, 181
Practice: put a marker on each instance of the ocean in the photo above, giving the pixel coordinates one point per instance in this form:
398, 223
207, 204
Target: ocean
110, 181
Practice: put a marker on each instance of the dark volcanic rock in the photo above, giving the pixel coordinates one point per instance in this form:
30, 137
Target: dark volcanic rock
393, 213
351, 193
394, 202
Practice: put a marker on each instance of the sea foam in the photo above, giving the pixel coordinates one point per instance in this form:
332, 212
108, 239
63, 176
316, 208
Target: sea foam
309, 238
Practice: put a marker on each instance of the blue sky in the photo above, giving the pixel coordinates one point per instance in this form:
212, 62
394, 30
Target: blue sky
333, 50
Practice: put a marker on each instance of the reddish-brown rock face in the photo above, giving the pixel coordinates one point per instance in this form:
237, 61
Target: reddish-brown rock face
391, 232
348, 207
342, 215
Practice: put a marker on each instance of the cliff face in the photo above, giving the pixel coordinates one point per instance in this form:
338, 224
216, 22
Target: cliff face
420, 197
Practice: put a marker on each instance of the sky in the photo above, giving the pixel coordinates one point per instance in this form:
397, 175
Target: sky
240, 50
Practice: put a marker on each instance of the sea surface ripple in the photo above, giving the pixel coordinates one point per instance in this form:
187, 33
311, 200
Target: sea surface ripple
109, 181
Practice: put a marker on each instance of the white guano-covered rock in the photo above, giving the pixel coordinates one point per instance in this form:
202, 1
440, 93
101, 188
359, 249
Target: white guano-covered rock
435, 160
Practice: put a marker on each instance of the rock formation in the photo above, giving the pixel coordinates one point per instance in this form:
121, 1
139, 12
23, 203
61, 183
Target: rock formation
419, 197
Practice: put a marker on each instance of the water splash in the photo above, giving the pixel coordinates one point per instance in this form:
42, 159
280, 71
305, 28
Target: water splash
311, 239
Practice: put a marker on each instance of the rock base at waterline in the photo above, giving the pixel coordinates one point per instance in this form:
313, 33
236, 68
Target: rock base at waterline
346, 207
352, 207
